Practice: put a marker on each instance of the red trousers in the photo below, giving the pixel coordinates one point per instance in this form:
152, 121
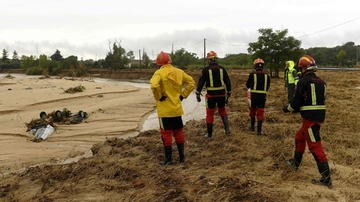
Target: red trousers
166, 136
171, 126
309, 134
211, 103
258, 112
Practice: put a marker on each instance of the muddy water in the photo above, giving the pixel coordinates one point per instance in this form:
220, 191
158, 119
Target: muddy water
193, 110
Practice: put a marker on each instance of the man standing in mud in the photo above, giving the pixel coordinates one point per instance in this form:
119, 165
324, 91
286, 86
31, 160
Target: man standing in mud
167, 87
309, 99
218, 87
259, 83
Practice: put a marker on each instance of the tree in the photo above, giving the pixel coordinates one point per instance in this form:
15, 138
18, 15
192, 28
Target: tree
130, 55
116, 57
70, 62
27, 62
43, 64
240, 59
89, 63
329, 56
15, 62
341, 57
76, 68
15, 56
146, 60
275, 48
323, 56
56, 56
4, 56
350, 50
182, 58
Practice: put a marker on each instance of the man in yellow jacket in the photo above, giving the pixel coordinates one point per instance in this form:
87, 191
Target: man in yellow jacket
167, 87
291, 77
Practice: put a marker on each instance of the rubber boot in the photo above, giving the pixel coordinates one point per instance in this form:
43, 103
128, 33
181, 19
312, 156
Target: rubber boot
259, 132
294, 162
181, 152
168, 156
324, 171
252, 124
226, 124
209, 130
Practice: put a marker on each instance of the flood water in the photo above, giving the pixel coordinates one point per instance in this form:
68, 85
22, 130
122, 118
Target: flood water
193, 110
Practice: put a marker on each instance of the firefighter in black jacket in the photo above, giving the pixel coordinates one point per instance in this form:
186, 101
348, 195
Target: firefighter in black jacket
309, 99
218, 88
259, 83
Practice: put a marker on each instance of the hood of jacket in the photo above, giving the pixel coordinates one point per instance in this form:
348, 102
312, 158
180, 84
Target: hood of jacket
291, 65
169, 72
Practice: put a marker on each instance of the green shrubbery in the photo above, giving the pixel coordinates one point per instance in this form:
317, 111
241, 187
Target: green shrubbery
34, 71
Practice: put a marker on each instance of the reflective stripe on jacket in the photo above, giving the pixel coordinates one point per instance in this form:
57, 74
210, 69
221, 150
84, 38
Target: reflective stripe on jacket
216, 80
291, 76
258, 82
310, 97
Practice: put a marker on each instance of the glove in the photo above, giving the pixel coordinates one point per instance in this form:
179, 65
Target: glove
198, 97
181, 98
227, 98
285, 109
162, 98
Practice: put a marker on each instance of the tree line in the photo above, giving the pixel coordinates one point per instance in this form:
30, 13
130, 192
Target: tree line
273, 46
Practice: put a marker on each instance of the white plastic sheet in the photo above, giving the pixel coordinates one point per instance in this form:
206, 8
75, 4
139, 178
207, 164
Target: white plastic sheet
42, 133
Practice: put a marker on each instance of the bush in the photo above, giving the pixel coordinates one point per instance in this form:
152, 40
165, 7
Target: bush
55, 71
34, 71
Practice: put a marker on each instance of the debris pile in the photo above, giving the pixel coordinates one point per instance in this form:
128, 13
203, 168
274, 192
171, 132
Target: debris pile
75, 89
44, 126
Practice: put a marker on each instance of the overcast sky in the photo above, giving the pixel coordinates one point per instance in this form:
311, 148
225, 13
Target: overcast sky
84, 28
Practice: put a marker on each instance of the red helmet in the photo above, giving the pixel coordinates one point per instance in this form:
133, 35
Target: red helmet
307, 62
163, 58
258, 63
211, 55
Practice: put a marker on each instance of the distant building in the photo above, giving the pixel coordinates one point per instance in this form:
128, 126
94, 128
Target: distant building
137, 63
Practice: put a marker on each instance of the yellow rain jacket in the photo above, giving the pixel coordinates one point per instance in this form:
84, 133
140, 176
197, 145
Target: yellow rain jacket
291, 75
168, 81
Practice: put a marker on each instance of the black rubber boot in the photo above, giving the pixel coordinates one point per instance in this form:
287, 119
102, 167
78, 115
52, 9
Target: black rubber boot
252, 124
168, 156
209, 130
324, 171
226, 124
259, 132
294, 162
181, 152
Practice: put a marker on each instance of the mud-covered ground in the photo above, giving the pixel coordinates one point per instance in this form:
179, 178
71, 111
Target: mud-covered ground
239, 167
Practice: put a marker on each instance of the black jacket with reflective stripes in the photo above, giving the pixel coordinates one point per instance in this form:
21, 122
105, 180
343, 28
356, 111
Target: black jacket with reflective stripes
258, 82
309, 98
216, 79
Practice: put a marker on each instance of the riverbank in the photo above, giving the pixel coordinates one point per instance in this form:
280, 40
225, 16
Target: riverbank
114, 110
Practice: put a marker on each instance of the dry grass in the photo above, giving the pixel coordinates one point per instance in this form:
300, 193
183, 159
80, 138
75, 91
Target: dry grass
240, 167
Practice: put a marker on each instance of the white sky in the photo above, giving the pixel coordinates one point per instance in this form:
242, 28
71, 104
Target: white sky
84, 27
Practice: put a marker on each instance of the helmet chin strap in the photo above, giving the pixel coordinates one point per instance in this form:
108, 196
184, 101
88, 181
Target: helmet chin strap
313, 68
308, 69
